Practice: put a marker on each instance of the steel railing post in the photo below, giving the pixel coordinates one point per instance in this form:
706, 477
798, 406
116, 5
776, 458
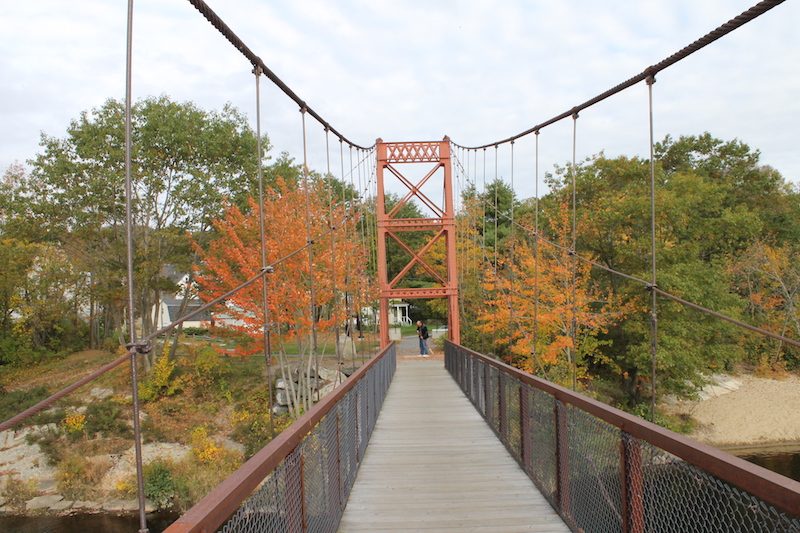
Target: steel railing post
562, 458
632, 483
524, 428
339, 460
502, 423
487, 411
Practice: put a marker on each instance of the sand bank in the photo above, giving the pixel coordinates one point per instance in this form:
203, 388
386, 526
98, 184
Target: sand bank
753, 412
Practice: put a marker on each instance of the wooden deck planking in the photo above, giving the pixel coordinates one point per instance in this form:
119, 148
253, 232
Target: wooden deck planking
434, 465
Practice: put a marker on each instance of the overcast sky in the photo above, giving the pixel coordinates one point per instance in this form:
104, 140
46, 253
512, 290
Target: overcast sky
417, 70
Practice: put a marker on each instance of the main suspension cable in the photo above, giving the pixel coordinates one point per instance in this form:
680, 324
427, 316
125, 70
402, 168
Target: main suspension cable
256, 61
722, 30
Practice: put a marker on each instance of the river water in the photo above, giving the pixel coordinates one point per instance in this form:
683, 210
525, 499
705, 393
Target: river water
84, 523
784, 460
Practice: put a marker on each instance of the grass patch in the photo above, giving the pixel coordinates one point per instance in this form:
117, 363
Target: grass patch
16, 492
79, 478
12, 402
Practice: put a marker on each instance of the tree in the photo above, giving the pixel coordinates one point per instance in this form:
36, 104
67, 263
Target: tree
233, 256
187, 164
769, 278
508, 315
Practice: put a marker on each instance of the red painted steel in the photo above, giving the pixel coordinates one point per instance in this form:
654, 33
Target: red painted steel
632, 484
390, 157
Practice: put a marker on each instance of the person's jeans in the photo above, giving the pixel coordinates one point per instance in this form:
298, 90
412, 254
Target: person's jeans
423, 346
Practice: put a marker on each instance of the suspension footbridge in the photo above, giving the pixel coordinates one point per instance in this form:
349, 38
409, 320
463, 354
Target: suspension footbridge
463, 442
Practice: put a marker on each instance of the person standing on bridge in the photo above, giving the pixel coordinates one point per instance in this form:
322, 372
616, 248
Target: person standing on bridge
422, 333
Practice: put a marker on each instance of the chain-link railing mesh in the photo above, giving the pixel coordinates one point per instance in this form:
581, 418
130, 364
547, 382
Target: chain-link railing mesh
593, 464
543, 442
308, 490
609, 481
681, 497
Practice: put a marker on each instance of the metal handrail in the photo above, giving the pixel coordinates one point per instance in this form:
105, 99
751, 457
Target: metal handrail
773, 488
224, 500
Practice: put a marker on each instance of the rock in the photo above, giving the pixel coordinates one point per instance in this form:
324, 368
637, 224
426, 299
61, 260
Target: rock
19, 458
282, 397
280, 410
121, 505
47, 485
89, 506
280, 384
63, 505
719, 384
327, 389
124, 467
43, 502
228, 444
332, 375
100, 393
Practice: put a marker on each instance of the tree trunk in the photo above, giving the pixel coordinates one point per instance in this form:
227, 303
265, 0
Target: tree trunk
176, 333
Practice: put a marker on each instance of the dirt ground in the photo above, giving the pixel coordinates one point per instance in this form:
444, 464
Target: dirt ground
760, 411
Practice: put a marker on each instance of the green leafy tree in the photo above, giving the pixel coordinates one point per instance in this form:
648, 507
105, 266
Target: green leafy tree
187, 165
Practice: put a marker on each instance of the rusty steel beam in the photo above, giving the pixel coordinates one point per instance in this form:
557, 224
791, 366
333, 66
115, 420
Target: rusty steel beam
415, 224
388, 156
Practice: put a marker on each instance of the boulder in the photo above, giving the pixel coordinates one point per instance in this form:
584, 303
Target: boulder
121, 505
282, 397
63, 505
100, 393
43, 502
125, 463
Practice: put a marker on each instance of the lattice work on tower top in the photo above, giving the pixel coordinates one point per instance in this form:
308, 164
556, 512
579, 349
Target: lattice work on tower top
441, 225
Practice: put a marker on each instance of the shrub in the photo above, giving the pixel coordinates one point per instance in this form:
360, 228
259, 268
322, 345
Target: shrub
159, 485
50, 443
74, 424
194, 479
204, 449
161, 381
250, 422
78, 478
16, 401
16, 492
107, 418
210, 370
192, 331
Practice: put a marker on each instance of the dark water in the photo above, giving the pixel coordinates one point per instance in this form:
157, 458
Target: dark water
785, 461
84, 523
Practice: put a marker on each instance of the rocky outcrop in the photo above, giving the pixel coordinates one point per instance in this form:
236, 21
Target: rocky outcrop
27, 462
323, 383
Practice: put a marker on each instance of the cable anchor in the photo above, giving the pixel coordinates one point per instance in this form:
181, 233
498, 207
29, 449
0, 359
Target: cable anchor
140, 347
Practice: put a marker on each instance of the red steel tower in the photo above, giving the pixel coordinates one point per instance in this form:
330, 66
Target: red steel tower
392, 157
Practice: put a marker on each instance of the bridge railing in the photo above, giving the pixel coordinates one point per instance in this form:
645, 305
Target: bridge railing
301, 480
605, 470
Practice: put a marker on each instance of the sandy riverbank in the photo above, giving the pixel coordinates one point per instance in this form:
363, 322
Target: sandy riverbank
757, 412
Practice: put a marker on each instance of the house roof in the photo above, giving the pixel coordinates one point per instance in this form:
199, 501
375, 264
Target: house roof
174, 307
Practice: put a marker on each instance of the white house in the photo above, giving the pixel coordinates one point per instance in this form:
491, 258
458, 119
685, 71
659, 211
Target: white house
398, 313
169, 308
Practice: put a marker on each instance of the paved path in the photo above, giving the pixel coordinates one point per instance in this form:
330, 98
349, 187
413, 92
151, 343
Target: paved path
434, 465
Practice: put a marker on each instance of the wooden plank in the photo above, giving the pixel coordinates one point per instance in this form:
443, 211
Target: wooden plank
434, 465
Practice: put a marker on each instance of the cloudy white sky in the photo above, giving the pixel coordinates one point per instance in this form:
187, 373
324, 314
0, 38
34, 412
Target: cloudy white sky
417, 70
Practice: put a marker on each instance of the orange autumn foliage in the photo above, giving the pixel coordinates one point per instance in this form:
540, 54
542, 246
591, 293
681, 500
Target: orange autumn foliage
508, 316
234, 256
